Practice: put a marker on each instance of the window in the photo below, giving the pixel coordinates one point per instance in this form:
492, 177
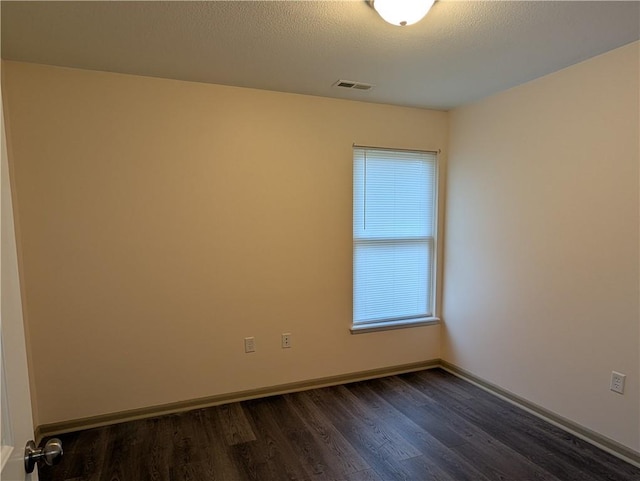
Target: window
394, 245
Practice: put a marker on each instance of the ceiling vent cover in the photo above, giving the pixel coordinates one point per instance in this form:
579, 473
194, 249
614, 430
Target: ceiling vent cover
350, 84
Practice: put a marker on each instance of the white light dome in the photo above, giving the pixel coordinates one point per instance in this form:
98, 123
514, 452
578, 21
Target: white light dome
402, 12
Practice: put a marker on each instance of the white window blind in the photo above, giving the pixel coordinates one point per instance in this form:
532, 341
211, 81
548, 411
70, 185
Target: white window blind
394, 222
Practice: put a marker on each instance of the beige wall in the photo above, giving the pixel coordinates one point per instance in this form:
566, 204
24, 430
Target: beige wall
161, 222
541, 268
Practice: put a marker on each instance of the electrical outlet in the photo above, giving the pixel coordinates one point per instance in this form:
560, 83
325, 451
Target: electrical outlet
249, 344
286, 340
617, 382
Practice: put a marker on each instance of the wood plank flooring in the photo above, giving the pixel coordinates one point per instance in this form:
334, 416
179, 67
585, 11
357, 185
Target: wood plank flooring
427, 425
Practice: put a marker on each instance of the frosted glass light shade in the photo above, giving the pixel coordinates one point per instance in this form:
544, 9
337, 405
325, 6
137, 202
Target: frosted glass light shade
402, 12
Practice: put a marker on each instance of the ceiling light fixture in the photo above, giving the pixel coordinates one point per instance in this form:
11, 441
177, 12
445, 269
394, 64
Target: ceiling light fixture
402, 12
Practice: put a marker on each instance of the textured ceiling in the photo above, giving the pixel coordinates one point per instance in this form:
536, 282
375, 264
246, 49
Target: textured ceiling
462, 51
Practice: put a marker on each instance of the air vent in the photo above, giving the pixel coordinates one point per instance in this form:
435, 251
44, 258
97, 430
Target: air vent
349, 84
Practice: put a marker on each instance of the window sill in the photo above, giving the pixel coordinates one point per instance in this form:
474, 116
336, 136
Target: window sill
389, 325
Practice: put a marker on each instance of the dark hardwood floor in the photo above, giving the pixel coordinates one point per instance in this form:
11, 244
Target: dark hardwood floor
427, 425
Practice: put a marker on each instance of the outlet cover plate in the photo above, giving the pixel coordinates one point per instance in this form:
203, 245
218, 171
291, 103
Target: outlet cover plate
617, 382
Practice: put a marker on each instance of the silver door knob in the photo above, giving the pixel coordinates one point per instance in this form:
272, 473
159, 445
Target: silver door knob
50, 453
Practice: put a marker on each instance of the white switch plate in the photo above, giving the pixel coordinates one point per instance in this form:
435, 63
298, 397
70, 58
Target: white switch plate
286, 340
249, 344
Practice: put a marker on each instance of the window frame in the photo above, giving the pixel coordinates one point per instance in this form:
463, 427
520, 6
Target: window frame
401, 323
